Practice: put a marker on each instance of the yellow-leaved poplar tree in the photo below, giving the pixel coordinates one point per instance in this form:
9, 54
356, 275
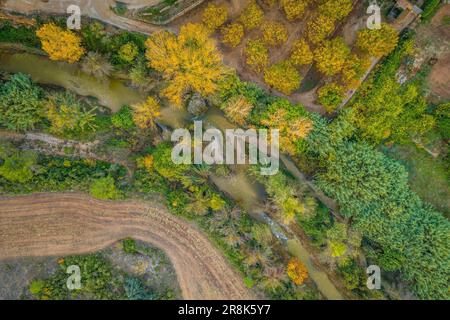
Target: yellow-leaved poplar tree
257, 54
354, 68
318, 28
293, 8
252, 16
146, 113
336, 9
60, 44
377, 42
283, 77
274, 33
215, 16
301, 53
331, 55
189, 62
232, 34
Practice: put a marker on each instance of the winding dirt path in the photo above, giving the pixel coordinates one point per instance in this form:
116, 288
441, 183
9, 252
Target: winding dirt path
66, 224
97, 9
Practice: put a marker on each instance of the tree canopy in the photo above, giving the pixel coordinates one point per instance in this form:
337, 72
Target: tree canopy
189, 61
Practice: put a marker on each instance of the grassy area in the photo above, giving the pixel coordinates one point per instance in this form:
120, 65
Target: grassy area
428, 176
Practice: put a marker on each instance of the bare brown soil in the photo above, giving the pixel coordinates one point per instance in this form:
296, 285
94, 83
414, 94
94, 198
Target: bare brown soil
439, 78
65, 224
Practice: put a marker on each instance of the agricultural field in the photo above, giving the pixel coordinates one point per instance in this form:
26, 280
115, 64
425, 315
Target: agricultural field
115, 139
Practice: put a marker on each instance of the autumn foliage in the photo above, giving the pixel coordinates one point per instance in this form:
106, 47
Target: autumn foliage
283, 76
318, 28
301, 53
293, 124
293, 8
257, 54
252, 16
214, 16
274, 33
331, 96
145, 113
189, 61
330, 57
238, 109
297, 271
60, 45
232, 34
377, 42
336, 9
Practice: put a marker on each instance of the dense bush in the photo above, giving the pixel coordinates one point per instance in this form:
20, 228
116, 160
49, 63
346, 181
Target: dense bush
21, 103
23, 35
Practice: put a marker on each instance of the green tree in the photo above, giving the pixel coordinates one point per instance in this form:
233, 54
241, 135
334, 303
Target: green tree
123, 119
21, 103
104, 189
331, 96
374, 191
18, 165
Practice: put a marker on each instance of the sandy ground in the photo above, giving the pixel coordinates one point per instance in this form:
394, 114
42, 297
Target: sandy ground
66, 224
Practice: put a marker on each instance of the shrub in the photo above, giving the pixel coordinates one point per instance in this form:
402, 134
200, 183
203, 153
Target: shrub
123, 119
128, 52
67, 116
17, 166
104, 189
129, 246
21, 103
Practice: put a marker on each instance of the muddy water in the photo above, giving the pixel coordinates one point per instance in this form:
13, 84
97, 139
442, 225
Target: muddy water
114, 94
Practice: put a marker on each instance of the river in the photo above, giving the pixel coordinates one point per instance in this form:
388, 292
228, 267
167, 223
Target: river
114, 93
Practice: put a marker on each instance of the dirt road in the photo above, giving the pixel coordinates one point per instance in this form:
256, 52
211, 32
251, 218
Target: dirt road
97, 9
66, 224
